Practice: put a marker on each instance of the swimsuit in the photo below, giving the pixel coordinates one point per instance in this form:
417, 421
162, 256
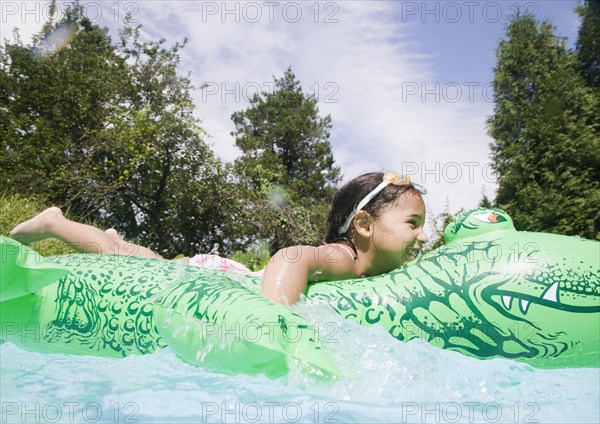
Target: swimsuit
223, 264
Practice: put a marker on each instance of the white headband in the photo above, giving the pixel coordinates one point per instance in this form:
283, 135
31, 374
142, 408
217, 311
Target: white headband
388, 178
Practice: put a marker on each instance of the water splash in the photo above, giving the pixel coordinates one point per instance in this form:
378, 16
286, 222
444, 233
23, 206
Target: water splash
416, 382
57, 39
386, 381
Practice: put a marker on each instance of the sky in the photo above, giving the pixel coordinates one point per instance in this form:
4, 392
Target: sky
407, 83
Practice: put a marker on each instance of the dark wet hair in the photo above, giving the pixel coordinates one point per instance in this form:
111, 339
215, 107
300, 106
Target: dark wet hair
347, 198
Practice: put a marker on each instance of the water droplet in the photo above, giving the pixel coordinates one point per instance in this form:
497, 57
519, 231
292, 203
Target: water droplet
57, 39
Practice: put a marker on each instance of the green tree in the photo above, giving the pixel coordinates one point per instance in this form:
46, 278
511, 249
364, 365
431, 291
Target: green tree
588, 42
56, 100
485, 201
286, 171
438, 224
545, 128
107, 129
171, 186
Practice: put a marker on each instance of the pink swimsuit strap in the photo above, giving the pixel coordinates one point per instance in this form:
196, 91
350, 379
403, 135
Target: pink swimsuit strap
345, 248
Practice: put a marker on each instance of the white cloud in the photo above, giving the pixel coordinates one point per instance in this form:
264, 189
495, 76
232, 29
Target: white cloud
361, 61
361, 66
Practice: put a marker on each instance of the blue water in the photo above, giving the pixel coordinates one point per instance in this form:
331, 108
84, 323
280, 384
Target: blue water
387, 381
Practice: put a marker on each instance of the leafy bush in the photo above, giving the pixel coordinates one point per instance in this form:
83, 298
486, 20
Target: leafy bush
255, 259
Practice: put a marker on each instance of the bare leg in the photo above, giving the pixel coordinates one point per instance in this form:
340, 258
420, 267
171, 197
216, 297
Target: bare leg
112, 233
52, 224
125, 248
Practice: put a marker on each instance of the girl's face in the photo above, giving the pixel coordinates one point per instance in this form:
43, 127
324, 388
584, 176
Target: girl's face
398, 233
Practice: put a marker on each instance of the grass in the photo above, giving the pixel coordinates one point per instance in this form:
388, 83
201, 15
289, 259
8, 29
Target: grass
16, 208
254, 259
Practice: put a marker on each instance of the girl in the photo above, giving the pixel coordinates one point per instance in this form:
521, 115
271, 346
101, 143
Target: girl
375, 225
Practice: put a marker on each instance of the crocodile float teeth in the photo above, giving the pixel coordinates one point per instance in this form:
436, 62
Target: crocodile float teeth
552, 293
524, 305
506, 301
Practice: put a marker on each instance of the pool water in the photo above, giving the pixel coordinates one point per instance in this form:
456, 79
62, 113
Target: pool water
386, 381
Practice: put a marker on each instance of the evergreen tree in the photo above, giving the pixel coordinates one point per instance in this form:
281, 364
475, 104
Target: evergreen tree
545, 128
485, 202
286, 171
588, 42
284, 141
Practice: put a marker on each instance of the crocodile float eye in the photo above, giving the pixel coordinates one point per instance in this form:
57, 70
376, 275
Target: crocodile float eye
493, 218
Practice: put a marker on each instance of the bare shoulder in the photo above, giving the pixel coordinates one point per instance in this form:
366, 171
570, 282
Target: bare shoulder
324, 263
334, 262
291, 268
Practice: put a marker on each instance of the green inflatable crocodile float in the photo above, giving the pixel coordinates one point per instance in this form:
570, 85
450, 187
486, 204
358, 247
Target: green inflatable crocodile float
491, 291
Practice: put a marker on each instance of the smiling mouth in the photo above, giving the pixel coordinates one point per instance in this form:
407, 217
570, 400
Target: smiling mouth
412, 253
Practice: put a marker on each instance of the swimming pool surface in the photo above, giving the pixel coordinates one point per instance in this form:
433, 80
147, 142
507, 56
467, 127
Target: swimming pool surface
387, 382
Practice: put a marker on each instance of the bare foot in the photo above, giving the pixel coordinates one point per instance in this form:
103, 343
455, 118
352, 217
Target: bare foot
38, 227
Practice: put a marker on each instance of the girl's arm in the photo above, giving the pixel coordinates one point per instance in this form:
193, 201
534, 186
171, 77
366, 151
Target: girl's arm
290, 269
